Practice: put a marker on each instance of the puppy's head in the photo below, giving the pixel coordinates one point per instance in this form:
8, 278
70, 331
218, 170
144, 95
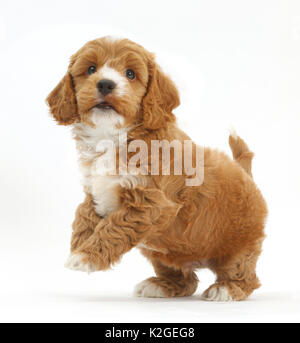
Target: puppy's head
114, 76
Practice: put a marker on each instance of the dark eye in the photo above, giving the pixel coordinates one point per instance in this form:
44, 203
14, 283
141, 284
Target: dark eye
91, 70
130, 74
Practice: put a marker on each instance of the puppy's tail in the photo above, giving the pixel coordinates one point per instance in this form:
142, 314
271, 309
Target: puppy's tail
240, 151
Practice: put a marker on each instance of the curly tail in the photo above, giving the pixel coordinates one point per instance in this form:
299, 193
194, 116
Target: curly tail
241, 152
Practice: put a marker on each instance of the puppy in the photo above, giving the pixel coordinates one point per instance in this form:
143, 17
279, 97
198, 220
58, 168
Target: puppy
113, 89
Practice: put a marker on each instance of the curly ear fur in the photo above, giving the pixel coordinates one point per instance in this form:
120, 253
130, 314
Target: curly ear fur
161, 98
62, 101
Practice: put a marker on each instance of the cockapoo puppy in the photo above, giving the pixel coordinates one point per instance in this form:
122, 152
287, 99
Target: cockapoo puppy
115, 92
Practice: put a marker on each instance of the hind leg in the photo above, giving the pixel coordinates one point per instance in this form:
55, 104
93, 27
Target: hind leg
168, 283
236, 279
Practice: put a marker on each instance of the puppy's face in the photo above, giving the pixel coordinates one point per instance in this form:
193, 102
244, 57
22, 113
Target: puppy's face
118, 76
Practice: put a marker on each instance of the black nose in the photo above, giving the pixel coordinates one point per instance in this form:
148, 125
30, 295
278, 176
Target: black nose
105, 86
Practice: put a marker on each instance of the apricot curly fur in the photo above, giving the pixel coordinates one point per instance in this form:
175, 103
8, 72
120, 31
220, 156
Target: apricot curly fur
161, 98
218, 224
62, 102
143, 212
173, 282
86, 219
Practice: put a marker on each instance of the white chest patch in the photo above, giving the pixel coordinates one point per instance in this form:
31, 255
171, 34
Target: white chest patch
97, 156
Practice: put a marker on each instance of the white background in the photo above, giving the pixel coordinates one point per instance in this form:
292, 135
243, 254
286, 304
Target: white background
235, 63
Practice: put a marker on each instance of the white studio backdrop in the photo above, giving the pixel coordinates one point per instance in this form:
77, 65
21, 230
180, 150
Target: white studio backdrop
234, 62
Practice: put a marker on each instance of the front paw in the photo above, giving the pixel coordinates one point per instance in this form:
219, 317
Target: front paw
79, 262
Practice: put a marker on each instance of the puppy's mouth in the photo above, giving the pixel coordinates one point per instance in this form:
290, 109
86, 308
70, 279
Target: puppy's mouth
104, 105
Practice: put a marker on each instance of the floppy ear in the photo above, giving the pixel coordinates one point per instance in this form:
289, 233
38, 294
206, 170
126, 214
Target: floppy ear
161, 98
62, 102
